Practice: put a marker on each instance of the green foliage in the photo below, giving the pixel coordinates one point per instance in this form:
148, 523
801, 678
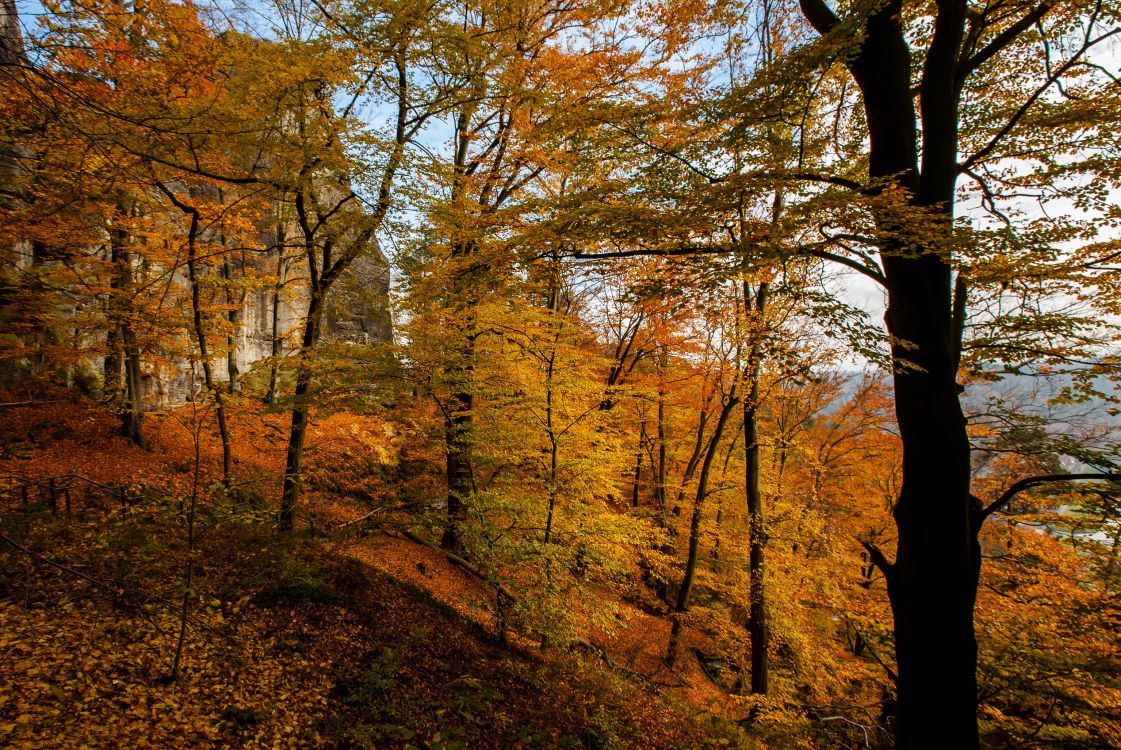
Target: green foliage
602, 730
282, 577
240, 719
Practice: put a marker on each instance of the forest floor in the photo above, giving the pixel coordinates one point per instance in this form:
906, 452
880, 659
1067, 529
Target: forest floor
373, 641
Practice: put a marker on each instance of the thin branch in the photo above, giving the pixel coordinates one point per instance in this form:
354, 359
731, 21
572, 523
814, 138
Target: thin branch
988, 197
1004, 38
1029, 482
855, 265
46, 560
1020, 113
643, 252
878, 559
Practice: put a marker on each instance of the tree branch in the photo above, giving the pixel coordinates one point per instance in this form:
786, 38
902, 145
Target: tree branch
1020, 113
644, 252
1029, 482
852, 263
878, 559
819, 15
115, 593
1003, 39
460, 563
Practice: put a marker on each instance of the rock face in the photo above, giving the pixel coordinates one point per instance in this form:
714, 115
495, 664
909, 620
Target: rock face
357, 313
11, 40
267, 322
358, 308
11, 55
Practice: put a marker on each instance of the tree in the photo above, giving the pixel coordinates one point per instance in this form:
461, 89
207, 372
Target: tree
515, 83
724, 379
88, 209
948, 55
333, 178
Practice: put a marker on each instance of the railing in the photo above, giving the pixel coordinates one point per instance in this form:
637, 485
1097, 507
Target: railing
72, 493
66, 493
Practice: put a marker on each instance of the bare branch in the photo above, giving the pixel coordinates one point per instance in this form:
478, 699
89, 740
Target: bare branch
819, 15
1003, 39
878, 559
1029, 482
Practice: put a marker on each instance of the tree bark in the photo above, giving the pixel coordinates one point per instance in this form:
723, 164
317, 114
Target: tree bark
639, 454
757, 610
686, 589
125, 348
233, 319
200, 333
294, 454
132, 416
932, 584
661, 588
458, 424
272, 395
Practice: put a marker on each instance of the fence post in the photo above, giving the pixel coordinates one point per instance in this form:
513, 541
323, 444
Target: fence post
23, 493
54, 495
124, 499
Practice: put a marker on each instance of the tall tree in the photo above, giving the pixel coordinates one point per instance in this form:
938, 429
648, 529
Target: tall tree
323, 157
945, 56
517, 80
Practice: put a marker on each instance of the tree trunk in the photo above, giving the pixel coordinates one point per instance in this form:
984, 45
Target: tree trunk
932, 584
124, 350
636, 480
272, 394
233, 318
458, 426
457, 441
293, 463
686, 588
132, 415
204, 356
459, 418
660, 469
112, 375
757, 613
553, 479
200, 333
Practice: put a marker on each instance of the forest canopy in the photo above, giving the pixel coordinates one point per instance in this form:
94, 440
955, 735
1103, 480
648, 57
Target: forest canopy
790, 327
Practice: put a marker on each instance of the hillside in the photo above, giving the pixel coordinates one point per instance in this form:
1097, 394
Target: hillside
291, 642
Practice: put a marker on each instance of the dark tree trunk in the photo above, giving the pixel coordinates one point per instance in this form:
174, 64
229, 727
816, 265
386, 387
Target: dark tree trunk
459, 422
272, 395
660, 468
204, 357
457, 431
552, 482
639, 454
132, 415
200, 333
932, 584
113, 377
661, 588
233, 319
686, 588
124, 349
113, 387
757, 611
